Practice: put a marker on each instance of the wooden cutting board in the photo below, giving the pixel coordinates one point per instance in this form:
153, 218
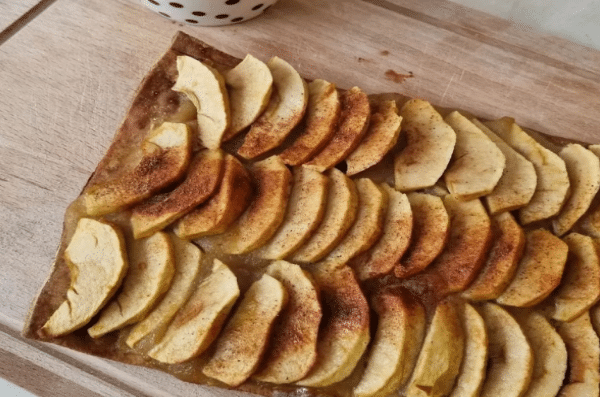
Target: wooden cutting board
67, 76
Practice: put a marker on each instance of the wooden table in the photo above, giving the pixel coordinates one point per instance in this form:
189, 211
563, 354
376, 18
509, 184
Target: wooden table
69, 68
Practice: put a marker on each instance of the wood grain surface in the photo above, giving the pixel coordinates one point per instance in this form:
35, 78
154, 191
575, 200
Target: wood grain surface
67, 76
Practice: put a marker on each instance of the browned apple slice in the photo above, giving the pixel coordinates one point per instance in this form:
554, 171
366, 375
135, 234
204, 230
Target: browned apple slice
584, 174
293, 349
539, 271
393, 354
429, 148
382, 135
220, 211
387, 251
303, 215
550, 354
518, 182
583, 357
431, 225
510, 363
166, 155
203, 177
472, 370
262, 218
151, 269
97, 260
199, 321
503, 258
468, 242
441, 355
340, 213
284, 111
322, 117
552, 178
372, 206
579, 287
344, 335
187, 269
242, 343
477, 163
353, 124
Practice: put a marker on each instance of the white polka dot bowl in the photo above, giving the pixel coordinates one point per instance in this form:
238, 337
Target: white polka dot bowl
209, 12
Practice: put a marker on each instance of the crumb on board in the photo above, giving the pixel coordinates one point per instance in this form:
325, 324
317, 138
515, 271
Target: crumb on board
397, 77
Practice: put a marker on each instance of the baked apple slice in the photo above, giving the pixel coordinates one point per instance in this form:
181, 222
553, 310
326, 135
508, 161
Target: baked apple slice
352, 126
344, 335
203, 177
166, 155
200, 320
293, 347
221, 210
97, 260
322, 116
477, 163
429, 147
381, 137
249, 87
518, 181
303, 215
394, 351
431, 225
552, 179
539, 271
205, 87
380, 259
151, 269
243, 342
285, 110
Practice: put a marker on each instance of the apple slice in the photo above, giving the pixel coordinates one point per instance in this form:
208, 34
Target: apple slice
372, 207
243, 342
97, 260
552, 178
322, 115
249, 86
166, 155
550, 354
187, 269
203, 177
262, 218
429, 148
518, 181
468, 242
430, 231
579, 288
285, 110
539, 271
503, 258
380, 259
381, 137
303, 215
340, 214
344, 334
220, 211
199, 321
205, 87
510, 363
151, 269
353, 124
441, 355
477, 163
583, 348
472, 371
293, 349
394, 351
584, 174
